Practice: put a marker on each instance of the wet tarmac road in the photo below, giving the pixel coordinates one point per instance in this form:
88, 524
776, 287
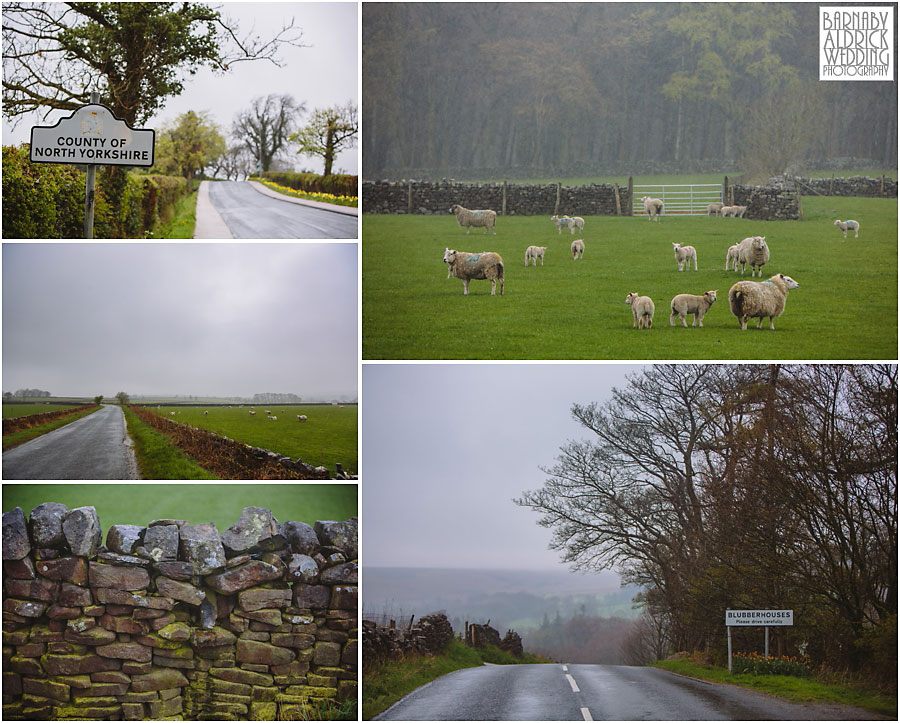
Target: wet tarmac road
91, 448
595, 692
251, 214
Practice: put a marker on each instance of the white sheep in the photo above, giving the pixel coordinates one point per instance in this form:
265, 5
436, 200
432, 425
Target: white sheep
467, 218
844, 226
171, 414
684, 304
205, 413
731, 258
273, 417
726, 211
714, 209
653, 207
641, 309
560, 222
252, 414
533, 253
753, 252
760, 299
577, 249
684, 254
575, 222
467, 266
738, 211
301, 417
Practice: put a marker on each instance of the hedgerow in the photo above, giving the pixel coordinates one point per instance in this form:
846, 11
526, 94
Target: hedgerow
46, 200
335, 183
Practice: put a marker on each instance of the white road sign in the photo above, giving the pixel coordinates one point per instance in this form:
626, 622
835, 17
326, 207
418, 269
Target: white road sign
759, 617
93, 135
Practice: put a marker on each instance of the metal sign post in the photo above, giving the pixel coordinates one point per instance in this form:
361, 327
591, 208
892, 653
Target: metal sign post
756, 618
89, 182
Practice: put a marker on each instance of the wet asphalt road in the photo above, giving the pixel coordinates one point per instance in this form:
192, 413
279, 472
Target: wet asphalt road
594, 692
250, 214
91, 448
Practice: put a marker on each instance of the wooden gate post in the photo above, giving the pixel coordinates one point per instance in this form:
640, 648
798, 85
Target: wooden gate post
618, 203
556, 208
409, 203
503, 210
630, 211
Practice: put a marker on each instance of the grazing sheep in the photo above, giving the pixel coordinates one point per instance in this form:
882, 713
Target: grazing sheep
577, 249
754, 252
684, 254
560, 222
468, 266
205, 413
685, 304
171, 414
576, 222
714, 209
731, 258
750, 299
844, 226
653, 207
301, 417
533, 253
273, 418
641, 309
467, 218
252, 414
739, 211
727, 211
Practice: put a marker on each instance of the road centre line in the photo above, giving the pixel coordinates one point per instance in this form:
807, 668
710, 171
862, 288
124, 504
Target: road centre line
572, 682
586, 714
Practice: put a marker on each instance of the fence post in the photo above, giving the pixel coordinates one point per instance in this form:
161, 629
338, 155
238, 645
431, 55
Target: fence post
618, 203
725, 191
503, 210
409, 203
558, 189
630, 196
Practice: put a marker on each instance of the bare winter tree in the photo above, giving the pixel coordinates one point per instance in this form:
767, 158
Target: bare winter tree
265, 127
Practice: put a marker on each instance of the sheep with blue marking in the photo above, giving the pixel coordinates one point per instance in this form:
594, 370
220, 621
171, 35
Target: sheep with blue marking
483, 218
467, 266
848, 225
560, 222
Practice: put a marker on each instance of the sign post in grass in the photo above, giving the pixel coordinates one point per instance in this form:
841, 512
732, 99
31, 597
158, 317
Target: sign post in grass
755, 618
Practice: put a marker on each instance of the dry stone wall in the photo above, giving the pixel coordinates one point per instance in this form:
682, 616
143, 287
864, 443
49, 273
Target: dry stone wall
882, 187
173, 621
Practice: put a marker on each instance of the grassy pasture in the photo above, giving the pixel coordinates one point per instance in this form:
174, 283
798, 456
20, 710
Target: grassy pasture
845, 308
329, 436
24, 410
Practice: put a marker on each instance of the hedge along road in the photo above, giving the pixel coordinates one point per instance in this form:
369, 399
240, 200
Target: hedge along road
251, 214
93, 447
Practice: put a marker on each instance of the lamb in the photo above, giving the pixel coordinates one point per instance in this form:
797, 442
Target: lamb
560, 222
171, 414
714, 209
273, 418
760, 299
252, 414
653, 207
575, 222
685, 304
301, 417
684, 254
848, 225
468, 266
533, 253
641, 309
731, 258
739, 211
205, 413
754, 252
577, 249
727, 210
467, 218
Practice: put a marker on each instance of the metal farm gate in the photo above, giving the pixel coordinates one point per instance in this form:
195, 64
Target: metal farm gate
686, 199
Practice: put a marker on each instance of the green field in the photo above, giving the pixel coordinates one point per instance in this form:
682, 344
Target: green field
23, 410
220, 502
845, 307
329, 436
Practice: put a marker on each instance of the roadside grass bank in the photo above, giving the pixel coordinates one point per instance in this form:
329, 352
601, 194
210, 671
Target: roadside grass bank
25, 410
157, 456
182, 223
14, 439
801, 690
351, 201
383, 685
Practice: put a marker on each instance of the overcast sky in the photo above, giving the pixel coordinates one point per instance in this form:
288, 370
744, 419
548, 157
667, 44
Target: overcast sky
233, 319
446, 448
321, 75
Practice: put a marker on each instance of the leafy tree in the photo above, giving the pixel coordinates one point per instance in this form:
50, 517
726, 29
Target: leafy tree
264, 129
98, 399
187, 146
328, 131
122, 397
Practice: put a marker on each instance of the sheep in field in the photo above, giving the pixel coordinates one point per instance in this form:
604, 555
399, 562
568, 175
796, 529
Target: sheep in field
684, 254
760, 299
560, 222
467, 218
753, 252
533, 253
273, 418
714, 209
653, 207
301, 417
641, 309
252, 414
577, 249
171, 414
205, 413
727, 211
467, 266
739, 211
685, 304
731, 258
575, 222
845, 226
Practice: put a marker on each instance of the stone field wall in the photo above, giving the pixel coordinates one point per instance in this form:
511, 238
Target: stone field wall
172, 621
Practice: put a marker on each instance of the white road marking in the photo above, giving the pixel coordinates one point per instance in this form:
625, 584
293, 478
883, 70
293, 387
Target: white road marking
572, 682
586, 713
565, 668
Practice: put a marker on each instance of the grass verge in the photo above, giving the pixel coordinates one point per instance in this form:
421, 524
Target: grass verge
25, 435
386, 684
182, 223
157, 456
801, 690
351, 201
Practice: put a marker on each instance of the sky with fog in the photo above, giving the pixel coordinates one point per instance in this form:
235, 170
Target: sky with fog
202, 319
323, 74
446, 448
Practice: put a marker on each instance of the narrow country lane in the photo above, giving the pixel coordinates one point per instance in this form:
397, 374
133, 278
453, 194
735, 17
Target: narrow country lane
596, 692
91, 448
250, 214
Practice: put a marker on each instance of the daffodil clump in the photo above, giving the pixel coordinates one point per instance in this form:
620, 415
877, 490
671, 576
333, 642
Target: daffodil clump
310, 195
756, 664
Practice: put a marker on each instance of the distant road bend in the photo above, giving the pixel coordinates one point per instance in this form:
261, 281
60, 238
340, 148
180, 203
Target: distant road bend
596, 692
91, 448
